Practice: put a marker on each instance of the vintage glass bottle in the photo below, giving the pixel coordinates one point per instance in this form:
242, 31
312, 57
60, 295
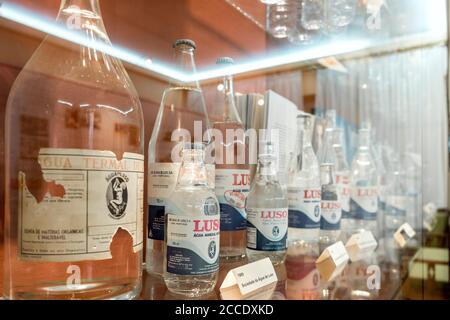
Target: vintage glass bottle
182, 108
232, 174
304, 188
330, 205
267, 210
192, 238
74, 169
364, 186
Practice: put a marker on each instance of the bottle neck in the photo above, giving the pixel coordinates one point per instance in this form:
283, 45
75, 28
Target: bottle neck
229, 110
185, 63
84, 5
267, 168
193, 170
326, 175
364, 141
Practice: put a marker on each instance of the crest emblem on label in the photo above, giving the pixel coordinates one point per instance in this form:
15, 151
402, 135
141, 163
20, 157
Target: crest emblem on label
212, 249
117, 196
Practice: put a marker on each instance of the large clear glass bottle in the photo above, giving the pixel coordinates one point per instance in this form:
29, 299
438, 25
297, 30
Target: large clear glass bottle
267, 210
330, 207
364, 187
304, 188
232, 175
182, 108
74, 170
192, 239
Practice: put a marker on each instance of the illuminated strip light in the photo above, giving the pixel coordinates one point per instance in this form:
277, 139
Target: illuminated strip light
26, 18
309, 54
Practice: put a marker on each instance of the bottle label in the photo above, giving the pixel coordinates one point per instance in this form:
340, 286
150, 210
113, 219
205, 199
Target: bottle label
343, 187
267, 229
330, 215
364, 203
304, 208
396, 206
97, 195
232, 188
162, 179
193, 244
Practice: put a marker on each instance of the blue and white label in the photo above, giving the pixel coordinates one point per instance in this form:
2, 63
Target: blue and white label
304, 208
232, 188
267, 229
364, 203
192, 244
162, 179
331, 215
396, 205
343, 187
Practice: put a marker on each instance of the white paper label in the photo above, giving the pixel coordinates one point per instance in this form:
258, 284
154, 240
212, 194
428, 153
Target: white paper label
364, 203
267, 228
304, 207
254, 275
193, 244
101, 195
232, 188
162, 179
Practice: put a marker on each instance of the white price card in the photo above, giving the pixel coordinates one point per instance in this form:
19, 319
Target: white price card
403, 234
332, 261
361, 245
256, 280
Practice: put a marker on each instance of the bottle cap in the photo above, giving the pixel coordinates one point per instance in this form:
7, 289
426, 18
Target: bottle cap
186, 42
225, 61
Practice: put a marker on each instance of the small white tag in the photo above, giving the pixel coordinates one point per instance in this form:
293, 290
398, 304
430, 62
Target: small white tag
361, 245
257, 280
333, 64
332, 261
403, 234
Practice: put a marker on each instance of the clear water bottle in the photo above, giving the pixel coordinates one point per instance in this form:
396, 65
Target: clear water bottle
74, 169
396, 207
331, 212
364, 187
267, 210
304, 188
313, 14
340, 13
232, 175
182, 105
192, 239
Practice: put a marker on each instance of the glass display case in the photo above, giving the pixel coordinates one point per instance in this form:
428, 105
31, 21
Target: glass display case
150, 147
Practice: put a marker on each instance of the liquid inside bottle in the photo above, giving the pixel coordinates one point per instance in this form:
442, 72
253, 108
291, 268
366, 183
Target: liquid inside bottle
232, 174
267, 211
74, 170
182, 109
192, 240
304, 188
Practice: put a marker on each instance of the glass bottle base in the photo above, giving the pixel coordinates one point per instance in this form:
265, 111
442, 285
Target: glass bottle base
191, 286
86, 291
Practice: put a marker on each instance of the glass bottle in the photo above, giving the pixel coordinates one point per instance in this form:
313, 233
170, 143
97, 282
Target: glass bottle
330, 207
364, 186
313, 14
396, 207
267, 210
333, 151
232, 175
74, 170
182, 109
304, 188
191, 244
